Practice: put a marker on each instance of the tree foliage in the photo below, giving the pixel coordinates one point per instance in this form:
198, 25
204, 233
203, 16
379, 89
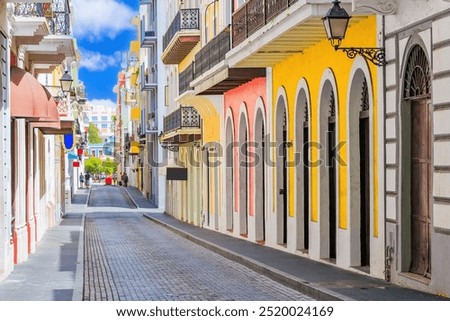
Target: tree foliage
109, 166
95, 165
94, 134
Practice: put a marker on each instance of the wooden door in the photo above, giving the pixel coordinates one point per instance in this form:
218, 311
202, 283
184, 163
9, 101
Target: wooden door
420, 187
284, 190
364, 157
305, 187
332, 185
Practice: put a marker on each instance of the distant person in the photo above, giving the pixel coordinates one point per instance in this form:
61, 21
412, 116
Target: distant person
115, 178
87, 178
125, 180
121, 179
81, 180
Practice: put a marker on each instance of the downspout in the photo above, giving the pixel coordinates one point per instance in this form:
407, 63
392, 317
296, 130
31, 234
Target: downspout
389, 250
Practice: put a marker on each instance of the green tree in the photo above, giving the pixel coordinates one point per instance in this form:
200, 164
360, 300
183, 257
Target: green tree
94, 134
93, 165
109, 166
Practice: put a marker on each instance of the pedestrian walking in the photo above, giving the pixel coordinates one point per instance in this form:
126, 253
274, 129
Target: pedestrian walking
125, 180
87, 178
81, 180
121, 179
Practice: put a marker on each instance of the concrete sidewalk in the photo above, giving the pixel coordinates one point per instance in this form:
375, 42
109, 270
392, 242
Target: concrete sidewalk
318, 280
54, 271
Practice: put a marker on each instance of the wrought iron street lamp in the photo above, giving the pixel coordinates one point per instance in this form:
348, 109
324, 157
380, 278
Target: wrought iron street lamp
336, 24
66, 82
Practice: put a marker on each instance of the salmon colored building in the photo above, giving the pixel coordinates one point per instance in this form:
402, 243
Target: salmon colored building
244, 122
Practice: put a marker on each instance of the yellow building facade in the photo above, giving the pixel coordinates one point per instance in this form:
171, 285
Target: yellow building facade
311, 88
314, 123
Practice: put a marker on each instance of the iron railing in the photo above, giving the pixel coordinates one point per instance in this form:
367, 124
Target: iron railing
57, 14
183, 117
185, 78
184, 20
213, 52
255, 14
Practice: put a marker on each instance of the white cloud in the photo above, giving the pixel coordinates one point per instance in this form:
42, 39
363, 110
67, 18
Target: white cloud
97, 19
96, 61
102, 102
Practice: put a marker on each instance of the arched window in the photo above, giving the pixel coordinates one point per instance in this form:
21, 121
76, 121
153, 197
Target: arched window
417, 76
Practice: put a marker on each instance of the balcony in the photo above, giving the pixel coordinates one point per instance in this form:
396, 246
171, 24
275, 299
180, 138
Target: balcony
212, 75
57, 42
265, 32
29, 23
182, 36
182, 126
148, 35
254, 14
149, 78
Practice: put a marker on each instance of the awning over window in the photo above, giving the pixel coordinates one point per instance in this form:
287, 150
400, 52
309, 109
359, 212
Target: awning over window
28, 98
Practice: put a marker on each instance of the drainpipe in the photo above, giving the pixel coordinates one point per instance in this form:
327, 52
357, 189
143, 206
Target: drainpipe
389, 250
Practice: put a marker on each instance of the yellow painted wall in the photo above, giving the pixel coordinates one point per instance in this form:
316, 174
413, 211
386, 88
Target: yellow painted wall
135, 113
135, 47
311, 65
189, 58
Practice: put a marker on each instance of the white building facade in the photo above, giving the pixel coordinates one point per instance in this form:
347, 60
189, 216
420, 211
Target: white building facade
152, 97
417, 144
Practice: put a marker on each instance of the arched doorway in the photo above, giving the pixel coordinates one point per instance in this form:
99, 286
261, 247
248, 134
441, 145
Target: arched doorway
281, 171
260, 175
229, 177
302, 170
328, 171
416, 162
243, 176
359, 169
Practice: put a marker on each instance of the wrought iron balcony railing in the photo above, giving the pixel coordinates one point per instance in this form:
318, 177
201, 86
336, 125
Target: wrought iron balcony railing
213, 52
183, 117
184, 20
255, 14
185, 79
57, 14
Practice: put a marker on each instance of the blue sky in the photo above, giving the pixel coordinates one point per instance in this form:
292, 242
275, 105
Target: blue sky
103, 31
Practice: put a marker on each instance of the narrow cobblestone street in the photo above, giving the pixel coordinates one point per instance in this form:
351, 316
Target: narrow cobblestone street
130, 258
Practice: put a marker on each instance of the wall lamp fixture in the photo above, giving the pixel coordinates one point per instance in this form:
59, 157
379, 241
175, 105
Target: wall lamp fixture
66, 82
336, 23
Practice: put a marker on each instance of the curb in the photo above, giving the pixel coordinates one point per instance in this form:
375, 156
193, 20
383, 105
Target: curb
79, 273
318, 293
131, 198
89, 197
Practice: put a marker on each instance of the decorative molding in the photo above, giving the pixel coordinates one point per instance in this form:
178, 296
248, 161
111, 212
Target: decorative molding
384, 7
9, 18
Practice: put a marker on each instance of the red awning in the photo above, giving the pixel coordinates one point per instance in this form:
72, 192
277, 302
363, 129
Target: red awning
52, 109
28, 98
